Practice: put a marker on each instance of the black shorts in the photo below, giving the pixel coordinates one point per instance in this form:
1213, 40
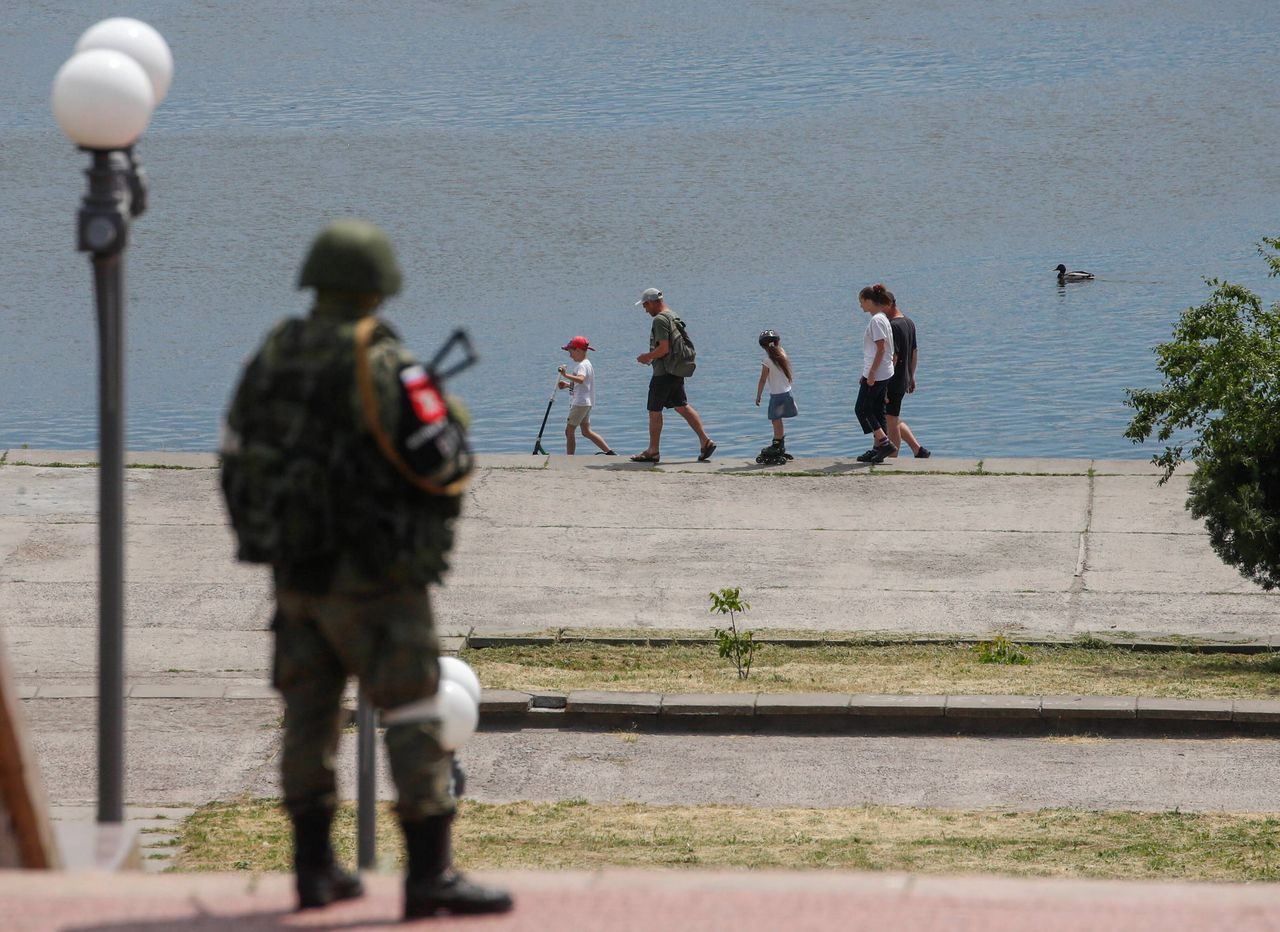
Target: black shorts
893, 407
666, 391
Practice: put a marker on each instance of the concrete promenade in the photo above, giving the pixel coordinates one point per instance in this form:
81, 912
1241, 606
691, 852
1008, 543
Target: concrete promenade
951, 546
929, 546
652, 901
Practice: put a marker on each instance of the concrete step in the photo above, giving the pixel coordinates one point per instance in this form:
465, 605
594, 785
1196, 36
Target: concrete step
144, 842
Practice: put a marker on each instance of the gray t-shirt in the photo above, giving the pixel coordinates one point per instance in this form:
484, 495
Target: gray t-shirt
663, 328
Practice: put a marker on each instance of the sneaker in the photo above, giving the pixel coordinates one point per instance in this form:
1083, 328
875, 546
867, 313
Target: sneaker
868, 457
894, 454
923, 454
881, 453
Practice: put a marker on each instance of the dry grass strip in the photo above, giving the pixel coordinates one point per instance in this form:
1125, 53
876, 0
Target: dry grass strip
914, 670
253, 835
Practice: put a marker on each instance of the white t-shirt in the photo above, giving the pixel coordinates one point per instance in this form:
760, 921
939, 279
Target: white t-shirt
778, 384
585, 393
878, 328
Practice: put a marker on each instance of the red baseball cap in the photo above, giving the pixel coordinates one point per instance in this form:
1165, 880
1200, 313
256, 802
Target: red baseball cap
578, 343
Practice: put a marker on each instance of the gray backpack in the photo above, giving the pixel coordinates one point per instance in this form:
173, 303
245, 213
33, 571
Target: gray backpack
681, 357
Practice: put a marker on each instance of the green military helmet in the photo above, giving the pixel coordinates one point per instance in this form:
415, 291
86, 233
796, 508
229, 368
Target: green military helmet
351, 255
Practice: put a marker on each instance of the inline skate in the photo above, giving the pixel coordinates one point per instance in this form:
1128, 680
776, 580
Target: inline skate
775, 454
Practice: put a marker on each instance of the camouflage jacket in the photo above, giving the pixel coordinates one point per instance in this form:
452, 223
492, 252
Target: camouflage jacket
306, 485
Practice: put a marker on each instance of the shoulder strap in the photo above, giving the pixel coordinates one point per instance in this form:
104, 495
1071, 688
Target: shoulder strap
679, 325
369, 406
671, 322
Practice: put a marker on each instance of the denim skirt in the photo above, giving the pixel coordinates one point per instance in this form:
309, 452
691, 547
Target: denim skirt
781, 406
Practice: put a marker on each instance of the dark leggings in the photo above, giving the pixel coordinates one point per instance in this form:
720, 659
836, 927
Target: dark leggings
870, 407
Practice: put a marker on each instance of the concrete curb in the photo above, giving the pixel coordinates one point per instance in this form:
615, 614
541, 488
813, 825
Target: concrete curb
785, 712
134, 459
1150, 642
803, 467
803, 713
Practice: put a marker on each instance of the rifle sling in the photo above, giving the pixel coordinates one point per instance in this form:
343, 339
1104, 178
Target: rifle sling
369, 406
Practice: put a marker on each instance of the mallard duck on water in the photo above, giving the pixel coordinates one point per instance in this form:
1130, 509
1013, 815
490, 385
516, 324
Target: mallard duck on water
1077, 276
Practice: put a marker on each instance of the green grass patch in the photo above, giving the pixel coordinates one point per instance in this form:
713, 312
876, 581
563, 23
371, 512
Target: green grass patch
253, 835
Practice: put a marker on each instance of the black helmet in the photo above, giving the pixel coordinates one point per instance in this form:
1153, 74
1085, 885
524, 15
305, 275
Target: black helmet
769, 336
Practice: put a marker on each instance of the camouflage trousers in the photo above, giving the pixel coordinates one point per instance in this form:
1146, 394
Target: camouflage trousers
384, 636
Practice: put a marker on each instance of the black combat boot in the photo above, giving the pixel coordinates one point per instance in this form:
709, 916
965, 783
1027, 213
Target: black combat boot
433, 886
320, 881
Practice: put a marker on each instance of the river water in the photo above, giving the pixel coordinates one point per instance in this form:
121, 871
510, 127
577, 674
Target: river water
540, 163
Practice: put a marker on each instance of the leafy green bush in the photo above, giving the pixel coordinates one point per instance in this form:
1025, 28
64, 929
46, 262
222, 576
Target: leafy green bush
1001, 650
1222, 381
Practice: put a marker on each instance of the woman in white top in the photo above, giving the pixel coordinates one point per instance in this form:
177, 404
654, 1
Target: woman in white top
776, 373
877, 370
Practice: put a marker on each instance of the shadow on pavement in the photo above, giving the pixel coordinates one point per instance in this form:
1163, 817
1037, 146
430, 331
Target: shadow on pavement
835, 469
250, 922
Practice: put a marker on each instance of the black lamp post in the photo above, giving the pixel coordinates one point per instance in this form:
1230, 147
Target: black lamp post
108, 207
102, 98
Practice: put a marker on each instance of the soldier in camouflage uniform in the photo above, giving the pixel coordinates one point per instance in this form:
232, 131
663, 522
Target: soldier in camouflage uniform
342, 466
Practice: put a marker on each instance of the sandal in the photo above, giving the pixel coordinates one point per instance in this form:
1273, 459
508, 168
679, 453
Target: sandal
706, 452
645, 458
606, 453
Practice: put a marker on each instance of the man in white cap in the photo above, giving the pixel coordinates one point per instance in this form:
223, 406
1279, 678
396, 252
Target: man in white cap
666, 390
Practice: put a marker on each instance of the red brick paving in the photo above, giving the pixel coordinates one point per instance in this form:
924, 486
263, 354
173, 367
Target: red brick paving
630, 901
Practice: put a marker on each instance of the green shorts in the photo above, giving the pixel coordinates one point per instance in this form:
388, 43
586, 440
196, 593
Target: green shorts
385, 635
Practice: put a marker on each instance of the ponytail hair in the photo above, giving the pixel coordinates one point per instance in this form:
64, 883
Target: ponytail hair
779, 356
878, 295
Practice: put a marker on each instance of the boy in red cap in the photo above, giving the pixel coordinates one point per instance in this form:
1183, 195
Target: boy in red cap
580, 379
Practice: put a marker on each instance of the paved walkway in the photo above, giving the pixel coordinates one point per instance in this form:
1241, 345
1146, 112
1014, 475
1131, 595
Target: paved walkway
1160, 774
1048, 546
188, 752
632, 901
1056, 546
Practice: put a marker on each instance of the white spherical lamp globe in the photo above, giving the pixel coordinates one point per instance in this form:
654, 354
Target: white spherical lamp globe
459, 715
140, 42
102, 99
460, 672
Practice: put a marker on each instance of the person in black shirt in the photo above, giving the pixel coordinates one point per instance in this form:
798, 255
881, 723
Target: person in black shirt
903, 382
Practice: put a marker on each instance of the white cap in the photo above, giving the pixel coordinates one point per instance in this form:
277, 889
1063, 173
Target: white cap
650, 294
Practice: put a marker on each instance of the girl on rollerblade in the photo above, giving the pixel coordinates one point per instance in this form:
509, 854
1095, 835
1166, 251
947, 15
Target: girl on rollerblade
776, 373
